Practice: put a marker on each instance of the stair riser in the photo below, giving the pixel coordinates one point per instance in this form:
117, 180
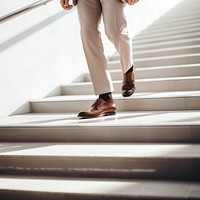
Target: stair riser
172, 27
160, 61
164, 73
149, 86
157, 73
164, 86
184, 6
168, 53
192, 59
183, 36
167, 21
189, 103
24, 195
57, 162
180, 14
141, 54
148, 133
175, 24
192, 2
168, 33
181, 10
168, 44
150, 168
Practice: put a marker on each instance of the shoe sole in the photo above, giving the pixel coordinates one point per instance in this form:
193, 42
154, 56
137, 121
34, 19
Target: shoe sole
126, 94
104, 114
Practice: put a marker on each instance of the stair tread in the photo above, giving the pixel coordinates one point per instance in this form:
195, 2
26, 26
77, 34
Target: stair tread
170, 37
166, 49
147, 95
167, 33
112, 188
161, 57
148, 145
178, 41
141, 80
102, 150
137, 69
178, 26
125, 119
156, 72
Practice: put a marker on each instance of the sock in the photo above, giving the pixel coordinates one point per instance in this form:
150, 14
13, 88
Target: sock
130, 70
106, 96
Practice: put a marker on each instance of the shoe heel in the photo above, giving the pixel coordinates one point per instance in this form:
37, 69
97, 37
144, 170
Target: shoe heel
109, 113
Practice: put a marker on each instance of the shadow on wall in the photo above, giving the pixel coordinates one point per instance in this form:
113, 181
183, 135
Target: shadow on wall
9, 43
26, 107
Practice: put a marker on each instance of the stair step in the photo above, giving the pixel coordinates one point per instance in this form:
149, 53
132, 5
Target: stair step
188, 3
99, 160
168, 33
193, 49
189, 19
179, 11
191, 2
139, 101
179, 15
172, 26
137, 126
156, 72
161, 60
142, 85
191, 35
181, 7
89, 189
166, 44
168, 71
149, 150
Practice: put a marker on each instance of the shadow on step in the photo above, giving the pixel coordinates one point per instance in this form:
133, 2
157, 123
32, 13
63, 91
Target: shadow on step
133, 118
12, 147
179, 162
67, 120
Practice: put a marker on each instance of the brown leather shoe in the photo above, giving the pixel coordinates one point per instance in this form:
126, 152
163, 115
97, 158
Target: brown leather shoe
128, 84
99, 108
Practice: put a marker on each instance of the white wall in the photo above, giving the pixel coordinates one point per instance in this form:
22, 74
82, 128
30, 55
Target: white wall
38, 51
42, 49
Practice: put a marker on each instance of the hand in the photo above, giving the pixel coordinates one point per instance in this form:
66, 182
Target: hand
131, 2
65, 4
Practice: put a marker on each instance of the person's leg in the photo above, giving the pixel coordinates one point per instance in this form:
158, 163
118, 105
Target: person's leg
117, 32
89, 12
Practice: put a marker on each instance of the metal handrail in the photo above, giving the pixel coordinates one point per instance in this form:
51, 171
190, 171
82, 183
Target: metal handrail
23, 10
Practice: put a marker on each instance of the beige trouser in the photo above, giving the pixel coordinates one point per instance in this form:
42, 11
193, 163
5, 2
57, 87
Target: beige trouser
90, 13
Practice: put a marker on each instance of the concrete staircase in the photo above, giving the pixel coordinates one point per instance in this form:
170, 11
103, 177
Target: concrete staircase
149, 150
